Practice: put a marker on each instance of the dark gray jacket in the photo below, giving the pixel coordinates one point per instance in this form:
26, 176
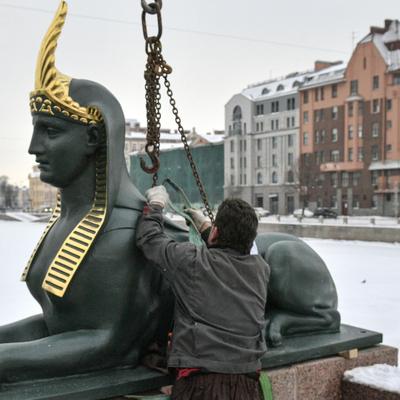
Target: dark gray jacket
220, 300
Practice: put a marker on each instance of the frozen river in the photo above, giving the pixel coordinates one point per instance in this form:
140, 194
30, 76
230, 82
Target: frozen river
367, 276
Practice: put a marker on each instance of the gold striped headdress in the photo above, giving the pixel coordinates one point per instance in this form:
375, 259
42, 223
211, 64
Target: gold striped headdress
51, 94
51, 97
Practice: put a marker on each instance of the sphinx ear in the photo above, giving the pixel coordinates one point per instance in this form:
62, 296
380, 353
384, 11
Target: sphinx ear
93, 139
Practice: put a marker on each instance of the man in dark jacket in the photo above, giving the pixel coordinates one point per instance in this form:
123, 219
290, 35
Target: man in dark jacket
221, 290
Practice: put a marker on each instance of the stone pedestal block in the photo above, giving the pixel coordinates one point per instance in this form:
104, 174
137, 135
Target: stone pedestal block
321, 379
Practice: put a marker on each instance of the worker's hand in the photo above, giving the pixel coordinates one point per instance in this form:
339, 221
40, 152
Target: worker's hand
200, 220
157, 196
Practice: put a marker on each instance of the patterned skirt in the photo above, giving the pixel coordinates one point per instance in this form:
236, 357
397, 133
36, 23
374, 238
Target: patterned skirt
217, 387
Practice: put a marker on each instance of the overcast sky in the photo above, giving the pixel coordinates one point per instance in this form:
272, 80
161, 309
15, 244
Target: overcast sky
216, 47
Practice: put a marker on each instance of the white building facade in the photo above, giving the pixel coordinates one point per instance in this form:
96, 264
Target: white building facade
262, 144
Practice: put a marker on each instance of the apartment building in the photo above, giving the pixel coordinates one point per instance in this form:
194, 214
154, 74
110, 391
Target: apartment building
350, 129
262, 144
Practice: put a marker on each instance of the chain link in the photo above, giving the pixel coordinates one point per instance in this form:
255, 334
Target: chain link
156, 67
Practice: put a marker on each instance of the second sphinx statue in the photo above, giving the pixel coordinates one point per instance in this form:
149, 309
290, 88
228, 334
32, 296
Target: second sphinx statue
102, 303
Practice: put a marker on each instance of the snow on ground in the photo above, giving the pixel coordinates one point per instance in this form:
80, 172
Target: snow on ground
379, 376
367, 276
362, 221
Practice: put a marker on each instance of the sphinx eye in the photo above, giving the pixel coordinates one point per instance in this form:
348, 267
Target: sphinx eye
52, 132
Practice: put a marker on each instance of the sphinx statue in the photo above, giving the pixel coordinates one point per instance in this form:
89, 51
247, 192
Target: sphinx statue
102, 303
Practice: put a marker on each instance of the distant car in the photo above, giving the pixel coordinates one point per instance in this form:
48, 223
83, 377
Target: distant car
299, 213
261, 212
325, 212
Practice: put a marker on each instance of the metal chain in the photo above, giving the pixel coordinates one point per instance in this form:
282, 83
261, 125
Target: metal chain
157, 67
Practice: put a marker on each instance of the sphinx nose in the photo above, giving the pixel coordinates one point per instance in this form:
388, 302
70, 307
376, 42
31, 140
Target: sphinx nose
36, 145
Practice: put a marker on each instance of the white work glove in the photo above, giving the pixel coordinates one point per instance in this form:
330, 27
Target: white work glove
200, 220
157, 196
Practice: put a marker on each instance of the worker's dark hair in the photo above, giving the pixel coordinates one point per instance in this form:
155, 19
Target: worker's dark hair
237, 225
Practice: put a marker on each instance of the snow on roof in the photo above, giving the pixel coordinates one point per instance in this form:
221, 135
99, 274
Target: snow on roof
379, 376
326, 75
169, 137
380, 40
276, 87
212, 138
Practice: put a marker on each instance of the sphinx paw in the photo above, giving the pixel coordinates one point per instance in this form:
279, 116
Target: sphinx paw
274, 336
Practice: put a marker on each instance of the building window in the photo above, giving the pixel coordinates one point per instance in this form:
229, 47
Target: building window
305, 117
350, 154
259, 109
388, 104
388, 148
287, 122
293, 121
259, 144
335, 155
316, 94
232, 146
258, 161
244, 128
290, 158
334, 112
244, 162
261, 126
388, 124
291, 103
396, 79
274, 177
360, 154
375, 82
374, 201
237, 120
350, 109
350, 131
375, 106
275, 106
375, 129
290, 176
345, 179
375, 152
356, 201
259, 178
322, 136
356, 178
334, 90
280, 88
232, 180
305, 97
232, 163
244, 145
334, 179
274, 142
374, 178
316, 137
305, 138
353, 87
333, 201
245, 179
360, 131
334, 135
272, 124
322, 156
290, 140
321, 93
274, 162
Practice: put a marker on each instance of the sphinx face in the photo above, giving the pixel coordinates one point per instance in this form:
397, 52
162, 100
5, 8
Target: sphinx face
61, 149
